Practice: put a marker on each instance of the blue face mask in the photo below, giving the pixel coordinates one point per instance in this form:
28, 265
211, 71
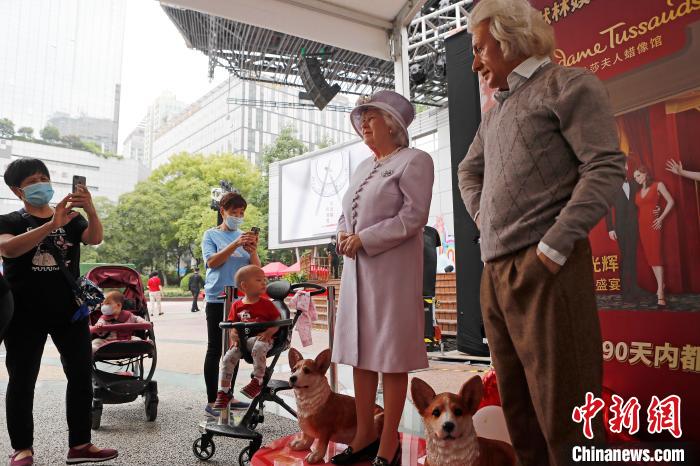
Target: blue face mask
38, 194
232, 223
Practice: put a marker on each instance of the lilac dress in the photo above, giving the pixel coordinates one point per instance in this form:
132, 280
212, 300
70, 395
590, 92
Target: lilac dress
379, 325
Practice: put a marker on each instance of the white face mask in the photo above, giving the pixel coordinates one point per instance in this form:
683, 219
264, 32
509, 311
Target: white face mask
107, 309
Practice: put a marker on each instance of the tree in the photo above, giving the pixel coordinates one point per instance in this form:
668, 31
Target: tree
74, 142
164, 218
50, 133
26, 131
286, 145
326, 141
7, 128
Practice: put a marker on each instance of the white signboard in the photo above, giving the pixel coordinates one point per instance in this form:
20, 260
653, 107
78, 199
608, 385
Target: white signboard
310, 190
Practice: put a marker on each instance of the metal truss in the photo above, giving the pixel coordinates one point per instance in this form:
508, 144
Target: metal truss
282, 104
259, 54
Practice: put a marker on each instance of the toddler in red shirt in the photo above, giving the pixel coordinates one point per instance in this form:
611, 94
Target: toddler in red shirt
251, 281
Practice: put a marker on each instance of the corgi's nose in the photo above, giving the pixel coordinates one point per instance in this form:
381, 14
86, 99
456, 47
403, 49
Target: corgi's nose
448, 427
293, 379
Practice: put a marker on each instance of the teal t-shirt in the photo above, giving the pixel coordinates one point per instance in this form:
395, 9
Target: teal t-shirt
215, 240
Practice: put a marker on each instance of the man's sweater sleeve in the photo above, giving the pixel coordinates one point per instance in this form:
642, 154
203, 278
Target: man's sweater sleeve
588, 125
470, 175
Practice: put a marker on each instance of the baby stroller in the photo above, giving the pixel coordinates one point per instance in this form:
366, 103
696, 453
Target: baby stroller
126, 367
203, 446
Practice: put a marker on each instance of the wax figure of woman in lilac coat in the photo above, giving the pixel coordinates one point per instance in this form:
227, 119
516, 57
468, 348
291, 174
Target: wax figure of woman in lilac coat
380, 318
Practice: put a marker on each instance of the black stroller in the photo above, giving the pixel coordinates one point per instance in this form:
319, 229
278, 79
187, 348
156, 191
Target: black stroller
203, 446
126, 367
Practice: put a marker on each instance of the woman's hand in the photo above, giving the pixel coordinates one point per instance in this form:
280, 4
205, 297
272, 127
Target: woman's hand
657, 223
674, 167
83, 199
250, 242
339, 247
353, 243
62, 214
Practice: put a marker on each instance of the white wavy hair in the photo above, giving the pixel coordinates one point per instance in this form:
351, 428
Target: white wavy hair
518, 27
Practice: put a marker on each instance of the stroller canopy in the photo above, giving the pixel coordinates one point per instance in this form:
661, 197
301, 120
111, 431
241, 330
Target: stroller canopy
119, 276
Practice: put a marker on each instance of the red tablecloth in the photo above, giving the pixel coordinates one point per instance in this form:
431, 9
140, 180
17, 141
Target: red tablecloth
278, 453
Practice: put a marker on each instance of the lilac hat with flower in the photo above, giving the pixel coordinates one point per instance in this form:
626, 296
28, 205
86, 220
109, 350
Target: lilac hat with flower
393, 103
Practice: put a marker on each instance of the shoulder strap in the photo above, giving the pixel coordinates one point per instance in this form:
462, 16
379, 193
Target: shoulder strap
53, 250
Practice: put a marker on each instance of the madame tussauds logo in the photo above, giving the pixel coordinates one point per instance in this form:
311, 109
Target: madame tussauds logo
621, 33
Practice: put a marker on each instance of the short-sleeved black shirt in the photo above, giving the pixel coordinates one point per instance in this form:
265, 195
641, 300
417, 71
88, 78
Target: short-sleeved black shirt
37, 283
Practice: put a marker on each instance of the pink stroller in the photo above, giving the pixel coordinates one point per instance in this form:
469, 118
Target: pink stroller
123, 369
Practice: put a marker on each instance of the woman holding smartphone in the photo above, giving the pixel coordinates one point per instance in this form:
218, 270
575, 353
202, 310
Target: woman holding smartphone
225, 249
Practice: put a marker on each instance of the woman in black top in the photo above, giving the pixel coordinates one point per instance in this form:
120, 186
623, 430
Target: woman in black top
44, 305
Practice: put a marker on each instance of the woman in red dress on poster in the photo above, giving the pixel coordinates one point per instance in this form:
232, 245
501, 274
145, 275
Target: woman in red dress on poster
650, 224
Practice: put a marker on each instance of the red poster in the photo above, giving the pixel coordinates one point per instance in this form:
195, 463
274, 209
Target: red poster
646, 252
610, 37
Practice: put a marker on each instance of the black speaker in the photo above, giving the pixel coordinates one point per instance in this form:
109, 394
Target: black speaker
320, 92
465, 116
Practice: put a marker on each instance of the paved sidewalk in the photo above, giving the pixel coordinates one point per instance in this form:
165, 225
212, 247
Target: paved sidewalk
181, 343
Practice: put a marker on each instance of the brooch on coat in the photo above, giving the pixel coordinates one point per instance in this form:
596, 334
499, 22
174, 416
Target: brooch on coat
386, 173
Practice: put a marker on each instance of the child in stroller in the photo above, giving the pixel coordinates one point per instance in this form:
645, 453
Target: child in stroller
123, 367
251, 308
112, 313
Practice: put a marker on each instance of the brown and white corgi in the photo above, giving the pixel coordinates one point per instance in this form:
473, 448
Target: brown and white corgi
450, 436
323, 415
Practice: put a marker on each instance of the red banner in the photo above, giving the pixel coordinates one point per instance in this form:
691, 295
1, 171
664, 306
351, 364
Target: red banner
610, 37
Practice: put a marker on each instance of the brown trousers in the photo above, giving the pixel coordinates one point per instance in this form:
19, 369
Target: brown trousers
545, 342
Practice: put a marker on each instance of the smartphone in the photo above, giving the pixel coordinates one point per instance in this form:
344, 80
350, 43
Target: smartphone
255, 231
78, 180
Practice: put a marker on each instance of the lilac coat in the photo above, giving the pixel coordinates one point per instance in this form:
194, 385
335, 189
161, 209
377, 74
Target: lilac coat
379, 325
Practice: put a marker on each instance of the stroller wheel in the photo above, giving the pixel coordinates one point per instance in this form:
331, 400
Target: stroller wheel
245, 457
150, 401
203, 448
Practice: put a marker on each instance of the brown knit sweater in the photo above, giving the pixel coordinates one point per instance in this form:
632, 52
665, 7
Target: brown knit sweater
544, 164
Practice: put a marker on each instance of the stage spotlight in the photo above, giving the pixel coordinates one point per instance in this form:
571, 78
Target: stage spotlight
440, 69
319, 91
417, 73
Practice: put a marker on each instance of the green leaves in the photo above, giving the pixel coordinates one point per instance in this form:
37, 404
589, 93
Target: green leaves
163, 220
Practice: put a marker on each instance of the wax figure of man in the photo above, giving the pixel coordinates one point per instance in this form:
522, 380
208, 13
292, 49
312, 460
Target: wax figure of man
539, 175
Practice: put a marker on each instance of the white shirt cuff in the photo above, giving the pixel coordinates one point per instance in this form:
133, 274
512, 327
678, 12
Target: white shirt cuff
552, 254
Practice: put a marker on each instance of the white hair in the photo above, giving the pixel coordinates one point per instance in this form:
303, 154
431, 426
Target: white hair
518, 27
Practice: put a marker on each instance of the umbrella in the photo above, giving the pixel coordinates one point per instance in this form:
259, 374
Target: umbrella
296, 267
275, 269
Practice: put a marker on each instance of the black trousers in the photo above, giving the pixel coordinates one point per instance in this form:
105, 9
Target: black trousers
195, 296
215, 315
334, 268
25, 342
7, 306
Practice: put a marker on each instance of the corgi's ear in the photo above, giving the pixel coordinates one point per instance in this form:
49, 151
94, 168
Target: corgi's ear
294, 357
421, 393
323, 361
471, 393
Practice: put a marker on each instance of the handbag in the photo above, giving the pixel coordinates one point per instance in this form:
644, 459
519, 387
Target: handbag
88, 296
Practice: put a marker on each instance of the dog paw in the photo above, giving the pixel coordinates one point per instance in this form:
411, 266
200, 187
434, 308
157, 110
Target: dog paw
298, 444
314, 457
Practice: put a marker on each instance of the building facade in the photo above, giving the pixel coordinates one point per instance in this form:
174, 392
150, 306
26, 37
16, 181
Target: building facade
232, 118
159, 113
106, 177
101, 131
134, 144
61, 56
